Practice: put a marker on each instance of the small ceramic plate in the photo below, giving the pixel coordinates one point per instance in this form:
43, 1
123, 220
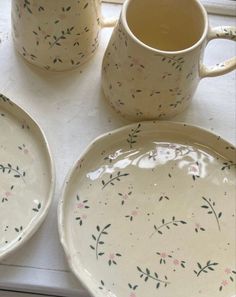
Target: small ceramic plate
149, 210
26, 177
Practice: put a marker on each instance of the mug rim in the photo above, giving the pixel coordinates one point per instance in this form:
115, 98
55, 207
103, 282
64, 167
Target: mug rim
188, 49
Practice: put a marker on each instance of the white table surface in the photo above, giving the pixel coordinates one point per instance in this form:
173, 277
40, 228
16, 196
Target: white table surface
71, 110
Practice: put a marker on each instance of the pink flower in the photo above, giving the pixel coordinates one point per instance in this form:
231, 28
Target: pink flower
228, 271
163, 255
62, 16
112, 256
224, 283
176, 262
80, 205
136, 61
134, 213
198, 225
125, 196
193, 168
7, 194
132, 294
44, 32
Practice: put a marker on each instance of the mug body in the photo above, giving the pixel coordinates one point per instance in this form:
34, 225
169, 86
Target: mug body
57, 34
145, 75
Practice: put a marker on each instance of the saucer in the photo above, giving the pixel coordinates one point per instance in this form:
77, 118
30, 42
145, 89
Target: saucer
149, 210
27, 177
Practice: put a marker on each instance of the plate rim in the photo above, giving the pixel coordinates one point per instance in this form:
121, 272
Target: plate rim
70, 173
35, 224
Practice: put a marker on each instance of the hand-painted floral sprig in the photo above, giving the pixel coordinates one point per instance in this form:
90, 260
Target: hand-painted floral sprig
174, 61
206, 268
210, 206
81, 205
98, 240
146, 274
133, 135
164, 259
167, 225
230, 275
8, 168
228, 165
124, 197
57, 39
113, 178
112, 258
7, 194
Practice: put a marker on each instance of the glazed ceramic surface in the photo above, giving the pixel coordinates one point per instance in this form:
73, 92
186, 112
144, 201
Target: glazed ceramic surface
56, 34
142, 81
26, 177
149, 210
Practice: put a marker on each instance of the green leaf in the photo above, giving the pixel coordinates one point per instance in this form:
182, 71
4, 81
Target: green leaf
210, 268
107, 226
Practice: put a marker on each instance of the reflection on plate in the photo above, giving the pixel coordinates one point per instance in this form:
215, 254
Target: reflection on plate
149, 210
26, 177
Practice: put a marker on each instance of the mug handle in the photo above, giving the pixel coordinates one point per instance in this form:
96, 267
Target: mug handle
224, 32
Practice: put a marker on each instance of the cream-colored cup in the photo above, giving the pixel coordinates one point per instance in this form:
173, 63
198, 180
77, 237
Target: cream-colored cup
153, 62
57, 34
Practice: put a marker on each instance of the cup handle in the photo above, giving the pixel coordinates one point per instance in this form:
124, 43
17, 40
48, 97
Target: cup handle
109, 22
223, 32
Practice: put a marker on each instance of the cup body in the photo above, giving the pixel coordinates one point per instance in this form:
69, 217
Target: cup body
57, 34
142, 82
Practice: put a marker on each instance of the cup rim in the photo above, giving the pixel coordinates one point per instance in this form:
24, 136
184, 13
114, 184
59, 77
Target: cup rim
183, 51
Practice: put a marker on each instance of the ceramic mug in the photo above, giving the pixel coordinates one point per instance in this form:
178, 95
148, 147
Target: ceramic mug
57, 34
153, 62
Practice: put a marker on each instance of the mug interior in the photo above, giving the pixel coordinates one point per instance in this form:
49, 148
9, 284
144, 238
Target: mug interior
167, 25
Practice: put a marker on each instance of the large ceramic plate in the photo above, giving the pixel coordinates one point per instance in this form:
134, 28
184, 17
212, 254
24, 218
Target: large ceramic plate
26, 177
149, 210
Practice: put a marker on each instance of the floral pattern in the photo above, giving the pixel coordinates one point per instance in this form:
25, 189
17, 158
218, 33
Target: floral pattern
230, 276
24, 173
154, 84
144, 97
54, 35
208, 267
98, 241
149, 220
